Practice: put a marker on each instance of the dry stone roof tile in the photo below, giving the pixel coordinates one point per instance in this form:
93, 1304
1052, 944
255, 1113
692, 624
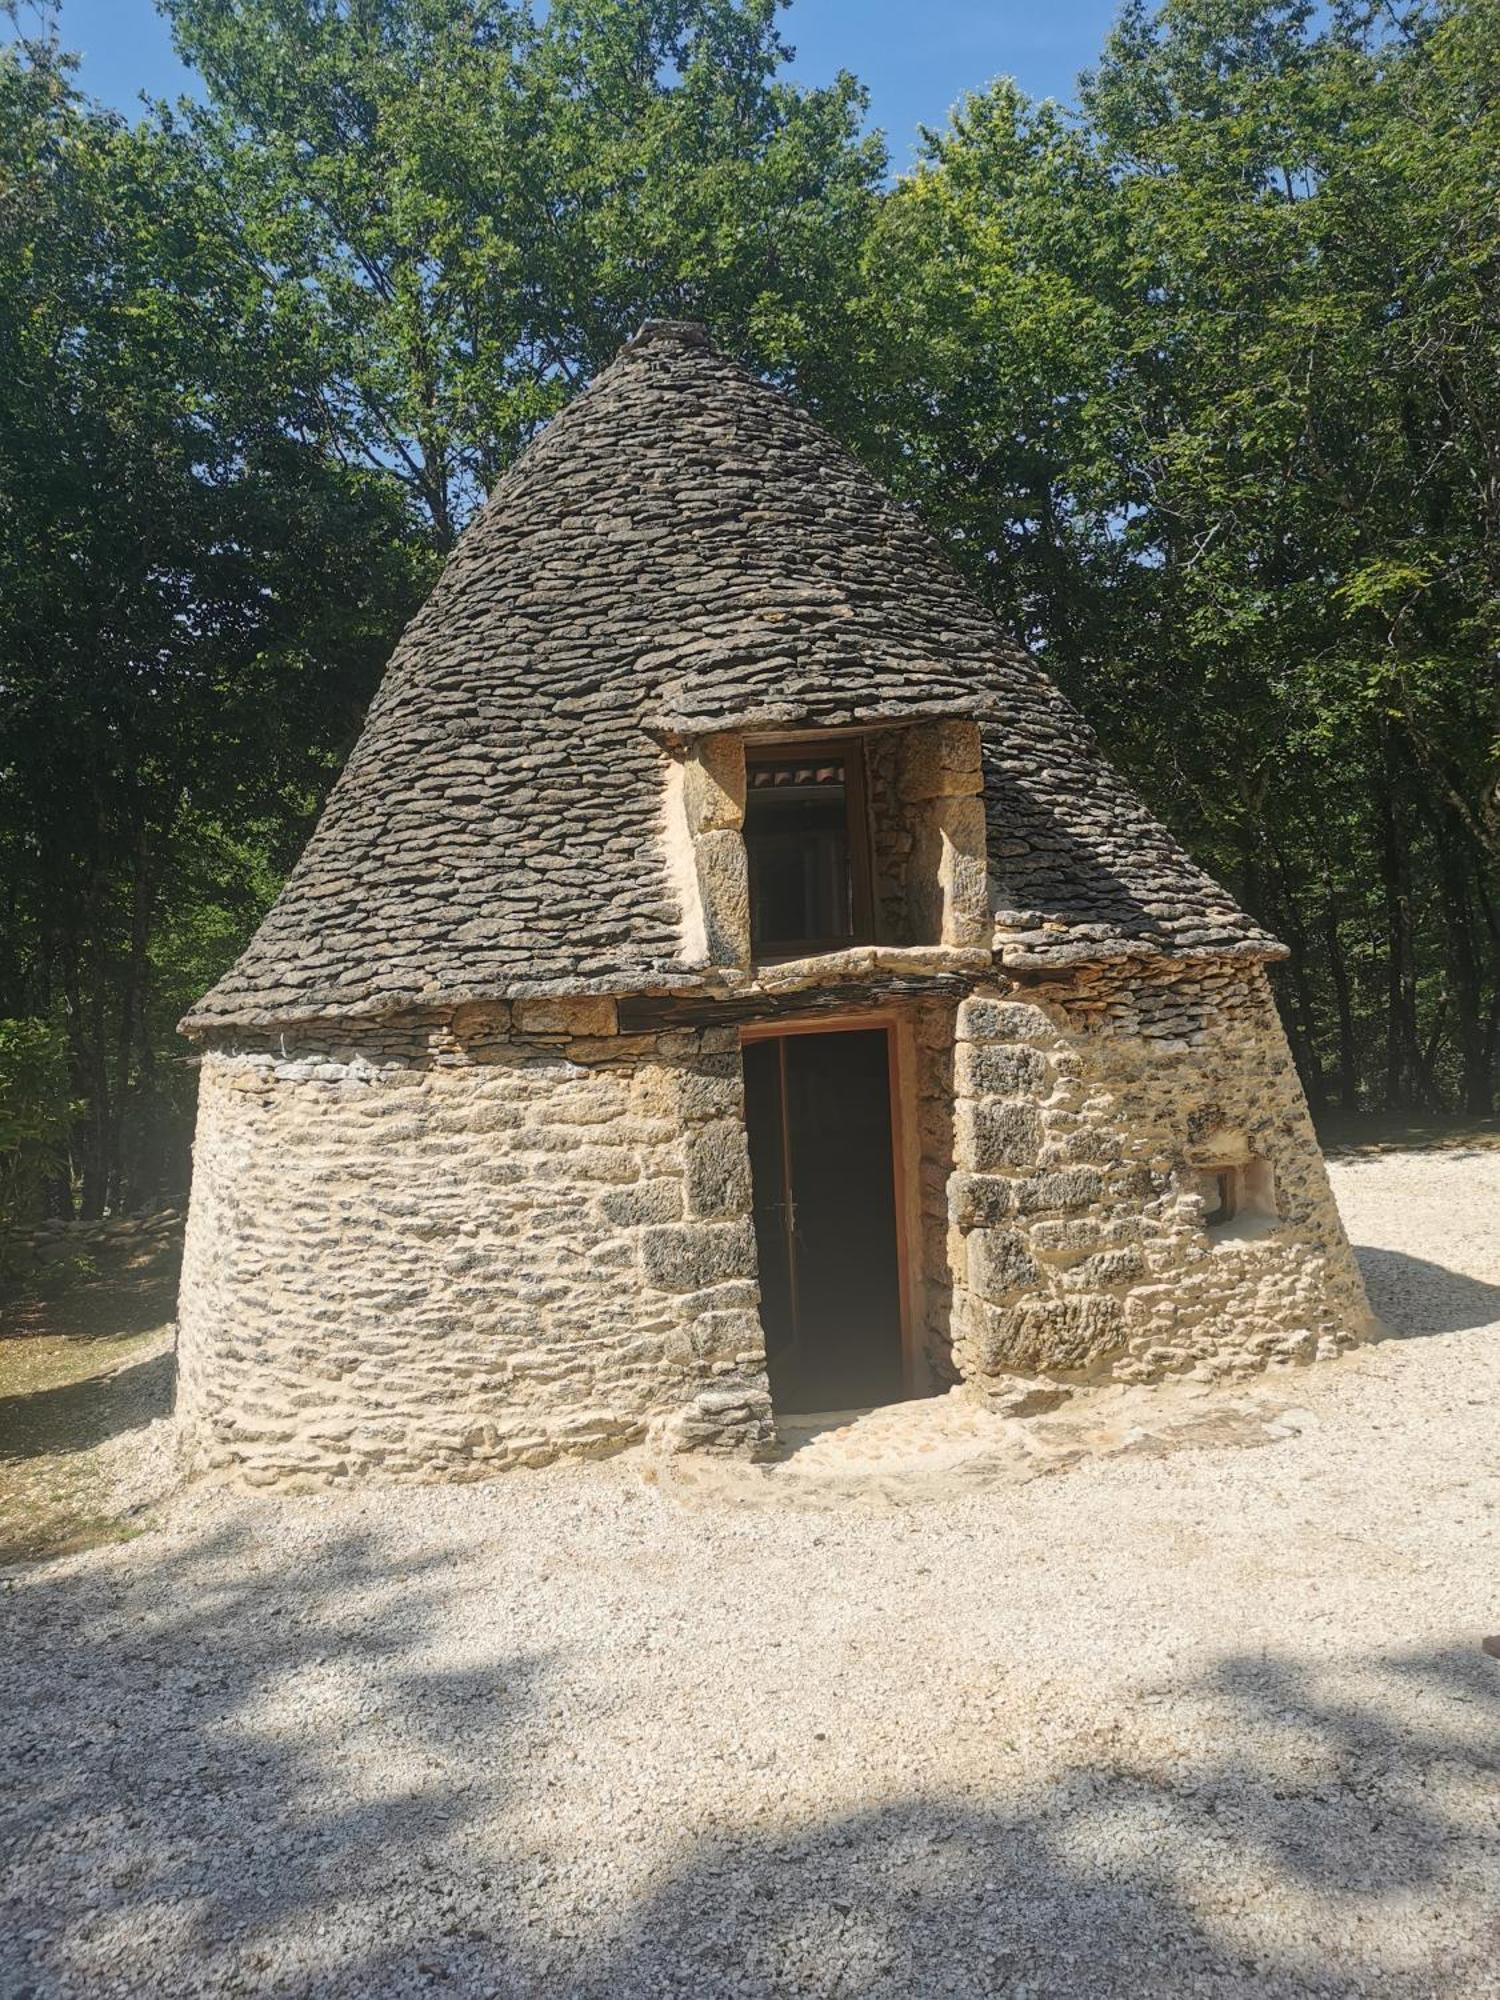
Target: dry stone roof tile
683, 549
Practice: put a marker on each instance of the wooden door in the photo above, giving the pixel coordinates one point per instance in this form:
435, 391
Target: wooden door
818, 1110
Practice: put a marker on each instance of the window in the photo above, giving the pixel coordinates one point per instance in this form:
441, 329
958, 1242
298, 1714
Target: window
807, 843
1239, 1199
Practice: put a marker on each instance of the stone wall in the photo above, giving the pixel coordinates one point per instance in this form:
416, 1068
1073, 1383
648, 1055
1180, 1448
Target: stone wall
440, 1249
892, 838
933, 1025
446, 1245
1089, 1115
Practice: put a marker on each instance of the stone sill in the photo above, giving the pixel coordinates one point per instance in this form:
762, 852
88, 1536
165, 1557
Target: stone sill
1244, 1230
869, 961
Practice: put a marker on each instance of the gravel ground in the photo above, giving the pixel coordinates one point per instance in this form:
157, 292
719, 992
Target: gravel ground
1195, 1720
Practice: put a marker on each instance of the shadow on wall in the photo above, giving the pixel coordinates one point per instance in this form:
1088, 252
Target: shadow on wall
323, 1773
1415, 1298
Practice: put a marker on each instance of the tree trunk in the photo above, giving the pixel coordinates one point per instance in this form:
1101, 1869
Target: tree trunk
1338, 972
1403, 1055
1464, 970
1302, 1017
132, 1008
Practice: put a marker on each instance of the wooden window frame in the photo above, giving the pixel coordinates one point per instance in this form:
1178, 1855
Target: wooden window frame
850, 751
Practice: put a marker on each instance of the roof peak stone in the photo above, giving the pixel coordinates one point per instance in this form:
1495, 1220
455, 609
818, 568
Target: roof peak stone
683, 332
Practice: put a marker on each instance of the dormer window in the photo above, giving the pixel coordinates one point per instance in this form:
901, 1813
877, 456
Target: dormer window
807, 844
802, 846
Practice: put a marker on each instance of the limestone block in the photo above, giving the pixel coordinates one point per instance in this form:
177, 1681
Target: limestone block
475, 1021
1001, 1070
713, 785
709, 1089
582, 1016
683, 1257
740, 1294
938, 760
724, 894
734, 1418
1066, 1237
963, 871
728, 1336
645, 1201
1108, 1267
999, 1263
718, 1169
995, 1133
1073, 1187
985, 1019
978, 1201
1040, 1335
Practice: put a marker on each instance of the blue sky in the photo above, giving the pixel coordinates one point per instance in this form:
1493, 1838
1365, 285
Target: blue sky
915, 58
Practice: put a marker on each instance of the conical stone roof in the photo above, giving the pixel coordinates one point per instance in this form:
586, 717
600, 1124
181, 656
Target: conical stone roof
682, 550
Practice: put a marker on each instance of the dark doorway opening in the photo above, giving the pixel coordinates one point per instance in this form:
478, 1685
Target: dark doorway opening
818, 1111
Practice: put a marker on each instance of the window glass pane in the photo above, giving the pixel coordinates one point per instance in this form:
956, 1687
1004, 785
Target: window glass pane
797, 842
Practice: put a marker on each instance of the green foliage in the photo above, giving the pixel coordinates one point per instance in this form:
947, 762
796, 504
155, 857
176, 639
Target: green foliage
35, 1114
1197, 384
1201, 387
457, 212
196, 591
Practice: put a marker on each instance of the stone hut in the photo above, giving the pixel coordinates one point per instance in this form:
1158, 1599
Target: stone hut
726, 981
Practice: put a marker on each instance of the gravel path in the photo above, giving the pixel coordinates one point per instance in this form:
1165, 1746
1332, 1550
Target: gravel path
1196, 1720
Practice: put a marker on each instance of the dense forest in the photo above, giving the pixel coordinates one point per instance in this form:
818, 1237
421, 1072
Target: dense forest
1197, 379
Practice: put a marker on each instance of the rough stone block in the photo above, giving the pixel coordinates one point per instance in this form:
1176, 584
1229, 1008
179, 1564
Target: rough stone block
1066, 1237
1000, 1070
963, 871
724, 892
684, 1257
583, 1016
735, 1416
728, 1336
995, 1134
646, 1201
982, 1018
1063, 1336
718, 1169
939, 759
978, 1201
999, 1263
1109, 1267
1073, 1187
710, 1089
713, 785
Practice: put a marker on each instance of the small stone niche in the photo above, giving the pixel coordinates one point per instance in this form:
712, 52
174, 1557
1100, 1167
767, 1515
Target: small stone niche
1238, 1194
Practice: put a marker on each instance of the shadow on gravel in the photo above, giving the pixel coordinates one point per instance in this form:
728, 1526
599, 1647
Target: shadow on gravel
1090, 1888
184, 1760
1416, 1298
75, 1416
252, 1772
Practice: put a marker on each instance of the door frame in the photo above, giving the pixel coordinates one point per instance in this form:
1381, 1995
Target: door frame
896, 1025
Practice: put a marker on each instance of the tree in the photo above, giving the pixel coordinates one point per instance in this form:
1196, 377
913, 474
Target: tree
194, 596
460, 212
1198, 386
